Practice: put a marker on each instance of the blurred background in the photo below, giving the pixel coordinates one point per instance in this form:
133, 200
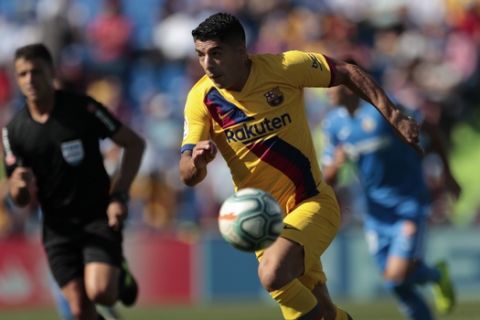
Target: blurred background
137, 58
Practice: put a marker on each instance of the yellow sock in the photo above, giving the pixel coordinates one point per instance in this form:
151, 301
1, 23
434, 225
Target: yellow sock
294, 299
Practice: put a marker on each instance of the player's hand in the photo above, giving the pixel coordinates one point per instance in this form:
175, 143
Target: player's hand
117, 212
409, 130
22, 185
203, 152
22, 177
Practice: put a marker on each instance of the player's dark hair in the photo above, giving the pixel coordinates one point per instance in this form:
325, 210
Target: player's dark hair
220, 26
34, 51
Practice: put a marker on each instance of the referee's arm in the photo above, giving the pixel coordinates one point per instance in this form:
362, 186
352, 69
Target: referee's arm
19, 185
133, 147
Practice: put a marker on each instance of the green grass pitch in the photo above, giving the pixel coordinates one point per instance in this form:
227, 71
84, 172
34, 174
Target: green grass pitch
384, 310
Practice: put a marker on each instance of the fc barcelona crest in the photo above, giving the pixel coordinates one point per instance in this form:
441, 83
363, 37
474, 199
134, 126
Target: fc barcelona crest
274, 97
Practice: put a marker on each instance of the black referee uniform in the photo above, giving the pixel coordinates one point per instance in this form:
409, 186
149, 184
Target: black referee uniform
73, 186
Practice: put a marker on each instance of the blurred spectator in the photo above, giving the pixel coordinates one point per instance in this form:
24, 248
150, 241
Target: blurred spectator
6, 92
109, 91
56, 29
109, 39
17, 29
160, 200
171, 34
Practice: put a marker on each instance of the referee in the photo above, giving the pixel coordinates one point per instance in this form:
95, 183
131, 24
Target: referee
51, 150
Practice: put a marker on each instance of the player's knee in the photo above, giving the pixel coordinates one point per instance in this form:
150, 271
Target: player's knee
396, 276
398, 269
271, 275
269, 278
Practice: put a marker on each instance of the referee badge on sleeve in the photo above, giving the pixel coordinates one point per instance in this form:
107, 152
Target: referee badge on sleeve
72, 152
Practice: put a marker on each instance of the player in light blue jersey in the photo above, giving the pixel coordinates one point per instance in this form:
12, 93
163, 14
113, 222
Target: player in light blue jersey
397, 199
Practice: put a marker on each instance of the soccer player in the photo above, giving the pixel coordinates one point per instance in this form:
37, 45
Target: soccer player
51, 151
397, 199
251, 108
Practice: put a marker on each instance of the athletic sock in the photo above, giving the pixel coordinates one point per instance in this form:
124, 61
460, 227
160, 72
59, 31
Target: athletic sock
294, 299
424, 274
411, 302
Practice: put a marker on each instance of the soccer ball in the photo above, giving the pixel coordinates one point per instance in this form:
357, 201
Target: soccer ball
250, 219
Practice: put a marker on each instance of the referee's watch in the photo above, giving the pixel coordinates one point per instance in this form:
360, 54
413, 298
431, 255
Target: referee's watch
120, 196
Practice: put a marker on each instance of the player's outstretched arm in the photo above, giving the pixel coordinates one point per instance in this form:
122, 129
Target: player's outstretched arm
193, 164
438, 146
362, 84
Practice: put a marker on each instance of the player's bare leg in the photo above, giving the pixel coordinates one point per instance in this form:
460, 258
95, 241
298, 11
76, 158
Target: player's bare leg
397, 277
101, 283
81, 306
330, 310
397, 269
280, 265
323, 297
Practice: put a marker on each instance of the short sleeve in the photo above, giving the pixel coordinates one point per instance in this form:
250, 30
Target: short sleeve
11, 159
308, 69
104, 123
197, 121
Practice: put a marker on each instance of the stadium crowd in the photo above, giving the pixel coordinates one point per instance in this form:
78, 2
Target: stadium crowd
137, 58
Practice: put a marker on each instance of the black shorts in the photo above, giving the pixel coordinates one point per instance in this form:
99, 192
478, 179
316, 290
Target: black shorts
71, 245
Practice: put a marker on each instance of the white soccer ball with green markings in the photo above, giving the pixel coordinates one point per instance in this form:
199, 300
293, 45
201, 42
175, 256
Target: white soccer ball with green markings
250, 219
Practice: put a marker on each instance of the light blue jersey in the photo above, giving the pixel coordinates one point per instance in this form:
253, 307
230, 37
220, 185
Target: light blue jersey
390, 171
397, 200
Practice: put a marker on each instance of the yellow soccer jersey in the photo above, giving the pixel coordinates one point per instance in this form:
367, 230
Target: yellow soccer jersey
262, 130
